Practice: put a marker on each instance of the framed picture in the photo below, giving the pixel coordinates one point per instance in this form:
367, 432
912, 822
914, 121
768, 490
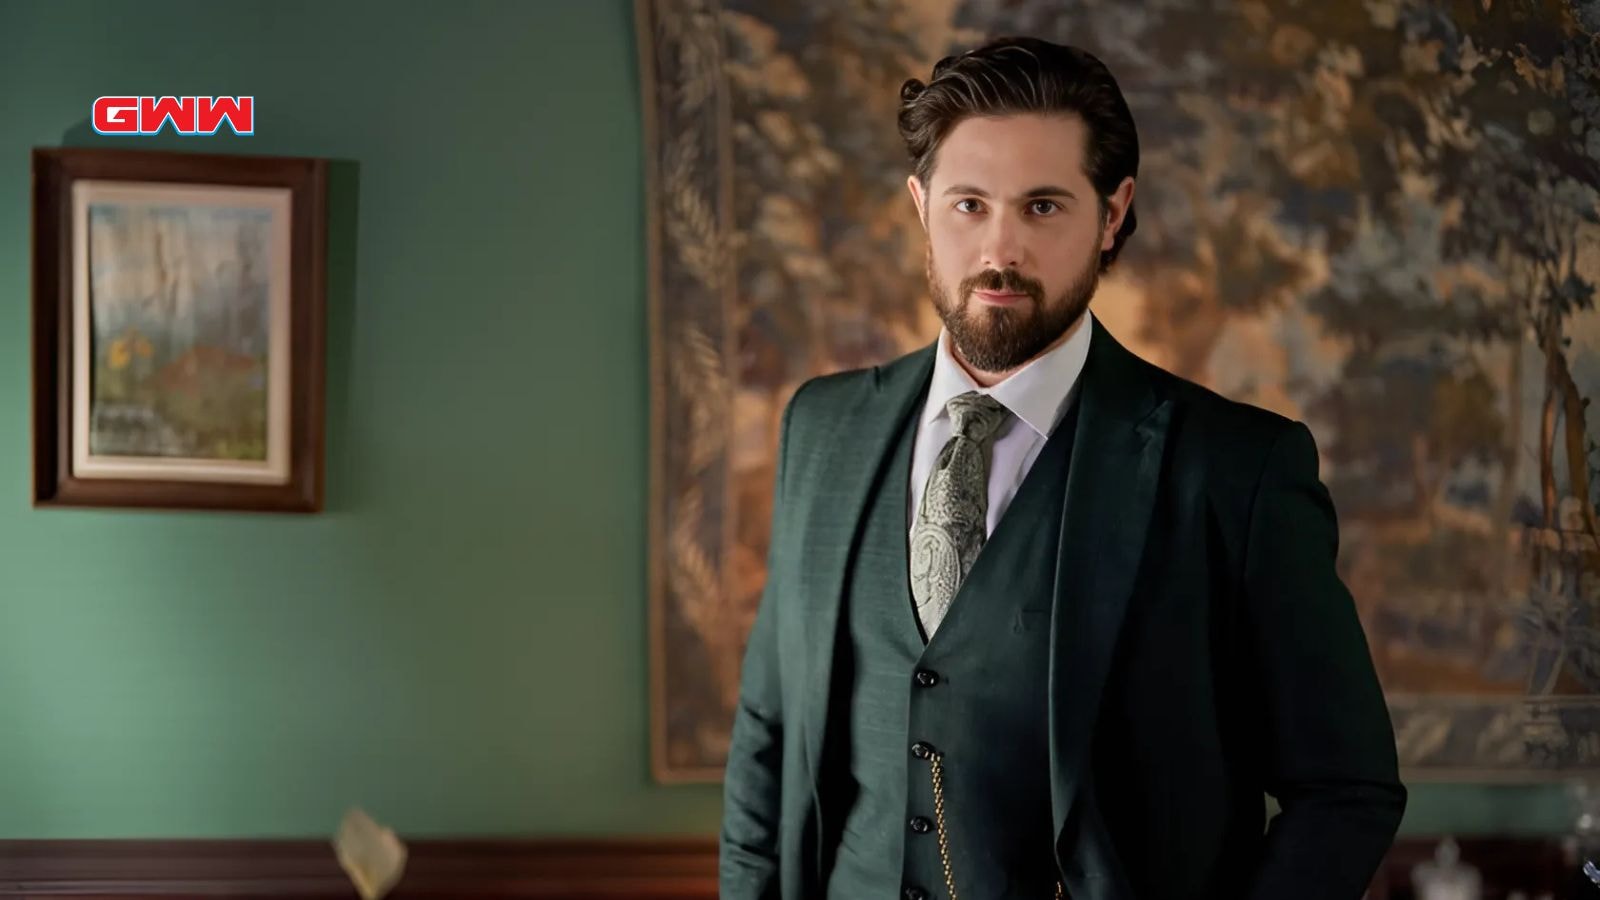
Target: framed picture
178, 330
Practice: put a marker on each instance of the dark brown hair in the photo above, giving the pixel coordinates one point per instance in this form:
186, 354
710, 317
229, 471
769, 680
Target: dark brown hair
1013, 75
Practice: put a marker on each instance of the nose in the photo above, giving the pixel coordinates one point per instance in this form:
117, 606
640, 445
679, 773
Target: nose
1002, 244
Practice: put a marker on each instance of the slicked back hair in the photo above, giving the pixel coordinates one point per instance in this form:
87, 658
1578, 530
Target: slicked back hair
1019, 75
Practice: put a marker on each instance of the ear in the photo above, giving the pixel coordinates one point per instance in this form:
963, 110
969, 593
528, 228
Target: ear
915, 187
1117, 206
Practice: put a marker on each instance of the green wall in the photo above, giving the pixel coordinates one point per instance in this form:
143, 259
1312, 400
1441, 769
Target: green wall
459, 642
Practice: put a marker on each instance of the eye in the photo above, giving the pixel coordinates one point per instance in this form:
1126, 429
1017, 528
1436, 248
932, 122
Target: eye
1043, 207
961, 205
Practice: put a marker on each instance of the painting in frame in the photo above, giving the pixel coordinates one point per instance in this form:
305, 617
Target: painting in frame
178, 330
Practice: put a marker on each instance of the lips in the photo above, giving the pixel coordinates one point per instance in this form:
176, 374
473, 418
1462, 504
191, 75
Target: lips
999, 298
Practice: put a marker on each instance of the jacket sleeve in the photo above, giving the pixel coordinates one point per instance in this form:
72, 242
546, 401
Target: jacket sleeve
1330, 750
748, 847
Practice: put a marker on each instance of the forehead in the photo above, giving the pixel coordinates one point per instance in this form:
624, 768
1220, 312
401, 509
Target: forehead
1021, 150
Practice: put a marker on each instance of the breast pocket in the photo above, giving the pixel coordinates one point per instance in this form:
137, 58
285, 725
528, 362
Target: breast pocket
1030, 619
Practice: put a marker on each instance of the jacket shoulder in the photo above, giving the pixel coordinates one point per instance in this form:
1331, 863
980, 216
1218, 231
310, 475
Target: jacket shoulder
820, 400
821, 396
1232, 437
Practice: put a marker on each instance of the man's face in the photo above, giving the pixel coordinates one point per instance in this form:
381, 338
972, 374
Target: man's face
1014, 235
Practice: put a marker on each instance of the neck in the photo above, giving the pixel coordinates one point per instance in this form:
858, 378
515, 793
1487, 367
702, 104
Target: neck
989, 379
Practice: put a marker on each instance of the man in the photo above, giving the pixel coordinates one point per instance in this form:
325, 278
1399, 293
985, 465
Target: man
1042, 619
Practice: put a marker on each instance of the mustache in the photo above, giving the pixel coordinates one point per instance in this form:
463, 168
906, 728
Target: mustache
1003, 280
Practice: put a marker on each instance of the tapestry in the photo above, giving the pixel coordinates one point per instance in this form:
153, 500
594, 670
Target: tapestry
1380, 217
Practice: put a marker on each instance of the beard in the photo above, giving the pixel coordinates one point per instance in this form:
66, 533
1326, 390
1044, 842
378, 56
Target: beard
999, 339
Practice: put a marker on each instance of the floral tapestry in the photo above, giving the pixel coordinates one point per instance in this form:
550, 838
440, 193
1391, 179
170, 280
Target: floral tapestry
1381, 217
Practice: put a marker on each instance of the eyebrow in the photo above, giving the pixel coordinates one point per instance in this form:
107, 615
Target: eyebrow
1045, 190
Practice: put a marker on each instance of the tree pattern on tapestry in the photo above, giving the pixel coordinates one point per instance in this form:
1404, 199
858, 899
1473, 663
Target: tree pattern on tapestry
1381, 217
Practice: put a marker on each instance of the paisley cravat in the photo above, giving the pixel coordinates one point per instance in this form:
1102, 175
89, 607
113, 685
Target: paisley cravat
950, 526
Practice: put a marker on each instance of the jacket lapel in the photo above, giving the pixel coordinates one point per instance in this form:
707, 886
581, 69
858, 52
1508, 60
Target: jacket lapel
1111, 490
857, 450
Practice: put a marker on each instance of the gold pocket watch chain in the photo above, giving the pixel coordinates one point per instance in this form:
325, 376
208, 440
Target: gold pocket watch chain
934, 761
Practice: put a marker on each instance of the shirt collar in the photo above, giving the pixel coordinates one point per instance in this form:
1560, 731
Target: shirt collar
1039, 393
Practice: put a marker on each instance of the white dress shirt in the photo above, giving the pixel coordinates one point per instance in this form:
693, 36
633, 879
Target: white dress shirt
1038, 396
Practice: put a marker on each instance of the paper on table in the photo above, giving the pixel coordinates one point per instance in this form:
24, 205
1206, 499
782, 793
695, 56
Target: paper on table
370, 854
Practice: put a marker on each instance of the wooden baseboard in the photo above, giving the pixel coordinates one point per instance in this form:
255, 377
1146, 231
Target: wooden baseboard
577, 869
635, 869
1535, 866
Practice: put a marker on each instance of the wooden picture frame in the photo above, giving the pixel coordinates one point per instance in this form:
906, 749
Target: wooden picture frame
178, 330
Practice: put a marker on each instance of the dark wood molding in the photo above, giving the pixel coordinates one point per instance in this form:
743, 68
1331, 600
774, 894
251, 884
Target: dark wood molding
559, 869
1532, 865
535, 869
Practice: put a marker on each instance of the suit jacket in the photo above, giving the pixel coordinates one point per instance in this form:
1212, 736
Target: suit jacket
1203, 649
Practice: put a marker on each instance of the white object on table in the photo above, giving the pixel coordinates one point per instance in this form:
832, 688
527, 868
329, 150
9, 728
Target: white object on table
1447, 877
370, 854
